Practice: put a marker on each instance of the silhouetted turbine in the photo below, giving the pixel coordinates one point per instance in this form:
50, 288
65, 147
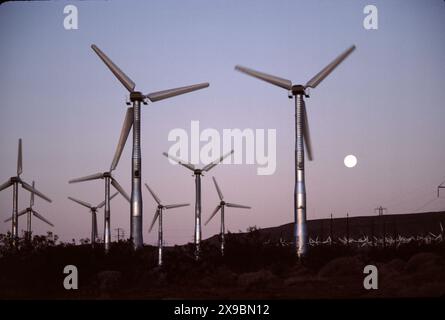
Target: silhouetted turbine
30, 212
134, 120
14, 182
158, 216
197, 173
302, 136
93, 210
221, 207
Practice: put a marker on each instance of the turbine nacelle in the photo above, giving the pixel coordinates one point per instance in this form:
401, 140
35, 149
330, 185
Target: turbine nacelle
298, 90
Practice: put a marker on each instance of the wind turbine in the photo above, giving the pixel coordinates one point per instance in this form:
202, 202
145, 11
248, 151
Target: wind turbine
14, 182
158, 216
197, 173
133, 119
30, 212
298, 92
109, 180
222, 204
93, 210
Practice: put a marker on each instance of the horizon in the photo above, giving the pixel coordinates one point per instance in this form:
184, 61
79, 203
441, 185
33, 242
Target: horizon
386, 100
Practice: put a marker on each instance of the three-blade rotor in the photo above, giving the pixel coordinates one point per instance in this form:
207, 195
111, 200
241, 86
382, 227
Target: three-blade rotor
130, 85
287, 84
223, 203
101, 175
161, 206
191, 167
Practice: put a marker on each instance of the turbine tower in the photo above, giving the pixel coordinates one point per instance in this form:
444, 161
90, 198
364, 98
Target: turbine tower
158, 216
134, 120
197, 173
110, 181
93, 210
30, 212
14, 182
299, 92
221, 207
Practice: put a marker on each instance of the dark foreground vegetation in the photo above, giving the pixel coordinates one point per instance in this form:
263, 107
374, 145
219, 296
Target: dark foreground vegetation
250, 269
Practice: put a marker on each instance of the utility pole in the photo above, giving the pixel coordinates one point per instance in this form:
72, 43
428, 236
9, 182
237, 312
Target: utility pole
380, 210
120, 234
347, 229
331, 235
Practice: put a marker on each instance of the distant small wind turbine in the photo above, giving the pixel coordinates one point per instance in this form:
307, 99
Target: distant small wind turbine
133, 119
14, 182
93, 210
158, 216
197, 173
221, 207
301, 136
30, 212
109, 180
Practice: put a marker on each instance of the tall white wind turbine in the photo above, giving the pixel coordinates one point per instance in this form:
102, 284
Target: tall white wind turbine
134, 121
197, 173
298, 92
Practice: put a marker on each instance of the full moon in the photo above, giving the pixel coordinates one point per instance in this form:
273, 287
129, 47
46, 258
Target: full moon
350, 161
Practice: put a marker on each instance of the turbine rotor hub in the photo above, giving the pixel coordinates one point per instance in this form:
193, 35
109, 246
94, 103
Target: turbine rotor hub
298, 90
137, 96
107, 174
15, 179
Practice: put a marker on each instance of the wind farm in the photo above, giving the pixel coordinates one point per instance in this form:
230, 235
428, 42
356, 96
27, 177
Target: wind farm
361, 192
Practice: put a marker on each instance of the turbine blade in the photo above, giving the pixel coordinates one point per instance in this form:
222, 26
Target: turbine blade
154, 220
19, 214
100, 205
217, 161
36, 214
119, 74
283, 83
213, 214
234, 205
119, 188
172, 206
83, 203
19, 159
6, 185
181, 162
329, 68
218, 189
31, 200
306, 134
94, 176
31, 189
160, 95
126, 127
153, 194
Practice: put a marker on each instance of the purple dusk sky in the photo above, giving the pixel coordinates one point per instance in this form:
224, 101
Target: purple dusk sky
384, 104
